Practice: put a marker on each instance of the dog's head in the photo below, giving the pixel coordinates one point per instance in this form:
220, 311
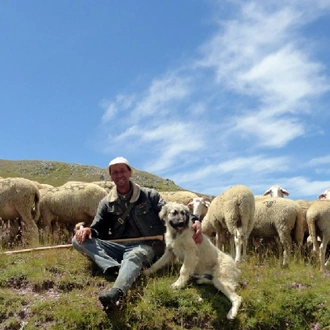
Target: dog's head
175, 215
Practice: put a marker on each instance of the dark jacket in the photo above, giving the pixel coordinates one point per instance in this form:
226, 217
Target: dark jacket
148, 203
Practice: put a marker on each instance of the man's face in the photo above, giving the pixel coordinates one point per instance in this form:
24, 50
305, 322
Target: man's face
120, 175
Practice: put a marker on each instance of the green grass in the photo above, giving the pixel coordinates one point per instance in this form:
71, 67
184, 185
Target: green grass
58, 289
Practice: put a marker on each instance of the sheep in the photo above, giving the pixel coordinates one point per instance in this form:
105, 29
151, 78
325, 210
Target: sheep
276, 191
304, 207
182, 197
69, 204
107, 185
318, 220
199, 206
278, 217
232, 213
20, 198
42, 185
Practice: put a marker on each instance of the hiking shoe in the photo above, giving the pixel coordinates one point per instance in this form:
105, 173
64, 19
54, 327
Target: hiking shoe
111, 298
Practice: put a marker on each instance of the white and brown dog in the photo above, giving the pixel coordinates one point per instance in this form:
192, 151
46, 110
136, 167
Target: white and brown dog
203, 260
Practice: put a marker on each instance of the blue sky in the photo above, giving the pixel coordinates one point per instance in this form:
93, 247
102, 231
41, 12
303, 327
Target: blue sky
209, 94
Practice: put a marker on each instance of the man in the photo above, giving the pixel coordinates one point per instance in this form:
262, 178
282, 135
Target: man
127, 212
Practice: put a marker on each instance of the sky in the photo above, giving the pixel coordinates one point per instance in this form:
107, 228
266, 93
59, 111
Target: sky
206, 93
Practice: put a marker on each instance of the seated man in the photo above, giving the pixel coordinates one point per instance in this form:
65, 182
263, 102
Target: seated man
128, 211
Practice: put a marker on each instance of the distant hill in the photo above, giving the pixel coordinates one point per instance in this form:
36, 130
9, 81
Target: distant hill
57, 173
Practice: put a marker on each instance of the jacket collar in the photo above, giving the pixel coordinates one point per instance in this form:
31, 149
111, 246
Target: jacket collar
113, 195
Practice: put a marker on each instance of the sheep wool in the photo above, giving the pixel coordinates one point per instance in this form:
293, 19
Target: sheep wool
20, 198
231, 213
182, 197
69, 204
318, 220
279, 217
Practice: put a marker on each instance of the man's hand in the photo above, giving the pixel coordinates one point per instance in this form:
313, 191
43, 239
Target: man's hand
198, 237
82, 233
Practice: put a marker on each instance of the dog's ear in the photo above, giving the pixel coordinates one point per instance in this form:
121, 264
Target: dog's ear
163, 212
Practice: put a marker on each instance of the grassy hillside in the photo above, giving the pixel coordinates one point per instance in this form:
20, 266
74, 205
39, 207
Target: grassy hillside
57, 173
58, 290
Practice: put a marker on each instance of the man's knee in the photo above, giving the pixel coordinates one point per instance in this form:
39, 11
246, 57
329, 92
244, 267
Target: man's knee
144, 253
83, 245
75, 243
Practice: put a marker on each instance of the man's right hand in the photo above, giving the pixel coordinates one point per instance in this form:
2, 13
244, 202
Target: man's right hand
82, 233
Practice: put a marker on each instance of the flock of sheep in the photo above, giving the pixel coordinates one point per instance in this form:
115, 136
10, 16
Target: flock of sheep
37, 210
34, 212
238, 215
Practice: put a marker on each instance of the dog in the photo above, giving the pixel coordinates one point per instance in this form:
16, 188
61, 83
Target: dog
203, 261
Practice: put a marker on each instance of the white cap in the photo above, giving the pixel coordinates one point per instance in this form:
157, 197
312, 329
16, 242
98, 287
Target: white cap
121, 160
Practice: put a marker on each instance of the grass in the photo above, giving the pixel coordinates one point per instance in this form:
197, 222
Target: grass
58, 289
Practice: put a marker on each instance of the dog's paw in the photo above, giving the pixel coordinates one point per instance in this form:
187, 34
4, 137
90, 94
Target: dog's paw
234, 309
177, 285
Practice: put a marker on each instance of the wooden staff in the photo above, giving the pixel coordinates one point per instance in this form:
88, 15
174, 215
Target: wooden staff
64, 246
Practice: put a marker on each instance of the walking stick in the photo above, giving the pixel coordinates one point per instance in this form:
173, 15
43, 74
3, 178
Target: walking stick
64, 246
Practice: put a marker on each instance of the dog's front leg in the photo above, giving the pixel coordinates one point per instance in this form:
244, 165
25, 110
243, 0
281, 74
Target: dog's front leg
187, 269
163, 261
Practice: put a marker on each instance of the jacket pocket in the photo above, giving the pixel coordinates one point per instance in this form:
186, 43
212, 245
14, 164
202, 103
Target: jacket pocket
142, 209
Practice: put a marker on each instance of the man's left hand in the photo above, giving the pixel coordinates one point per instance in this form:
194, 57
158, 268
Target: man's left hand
198, 236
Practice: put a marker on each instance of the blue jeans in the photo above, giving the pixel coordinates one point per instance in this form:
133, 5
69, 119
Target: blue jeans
129, 258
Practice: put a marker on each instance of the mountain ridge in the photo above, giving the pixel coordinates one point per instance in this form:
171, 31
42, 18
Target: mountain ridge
57, 173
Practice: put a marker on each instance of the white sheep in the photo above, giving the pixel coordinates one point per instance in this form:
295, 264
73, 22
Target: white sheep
305, 205
42, 185
276, 191
231, 213
19, 198
107, 185
318, 220
199, 206
69, 204
279, 217
180, 196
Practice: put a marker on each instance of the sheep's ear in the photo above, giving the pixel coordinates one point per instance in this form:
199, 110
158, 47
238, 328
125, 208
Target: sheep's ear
267, 192
206, 202
190, 202
322, 196
284, 192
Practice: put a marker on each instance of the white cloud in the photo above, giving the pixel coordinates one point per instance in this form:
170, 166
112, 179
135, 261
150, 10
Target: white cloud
243, 167
253, 87
174, 142
122, 103
161, 93
301, 186
270, 131
285, 76
325, 160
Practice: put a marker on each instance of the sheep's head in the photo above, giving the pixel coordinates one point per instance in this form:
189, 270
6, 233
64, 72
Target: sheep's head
276, 191
199, 206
